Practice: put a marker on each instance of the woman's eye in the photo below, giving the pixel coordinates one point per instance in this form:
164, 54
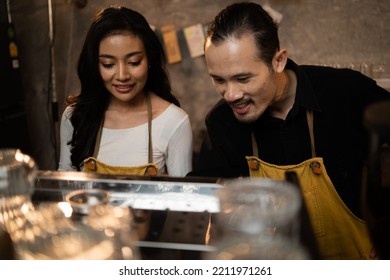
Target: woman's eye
108, 65
135, 63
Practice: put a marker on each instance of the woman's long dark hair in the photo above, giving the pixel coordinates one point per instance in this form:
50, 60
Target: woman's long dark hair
90, 105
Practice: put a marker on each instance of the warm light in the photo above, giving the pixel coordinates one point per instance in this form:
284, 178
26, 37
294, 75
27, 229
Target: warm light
25, 208
18, 155
65, 208
127, 253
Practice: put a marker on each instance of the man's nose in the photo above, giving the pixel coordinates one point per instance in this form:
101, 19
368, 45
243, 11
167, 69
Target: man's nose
232, 92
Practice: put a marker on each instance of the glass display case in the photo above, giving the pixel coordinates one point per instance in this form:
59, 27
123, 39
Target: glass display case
172, 216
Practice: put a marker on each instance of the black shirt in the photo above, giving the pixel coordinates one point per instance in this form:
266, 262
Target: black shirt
337, 98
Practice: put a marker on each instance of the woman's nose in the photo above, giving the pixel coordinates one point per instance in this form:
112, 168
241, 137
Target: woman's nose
123, 72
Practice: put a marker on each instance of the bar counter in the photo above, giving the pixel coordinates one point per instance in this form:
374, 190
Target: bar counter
173, 216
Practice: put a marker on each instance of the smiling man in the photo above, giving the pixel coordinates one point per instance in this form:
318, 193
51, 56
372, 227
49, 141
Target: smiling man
277, 116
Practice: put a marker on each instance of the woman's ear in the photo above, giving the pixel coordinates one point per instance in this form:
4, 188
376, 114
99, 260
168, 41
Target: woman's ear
280, 60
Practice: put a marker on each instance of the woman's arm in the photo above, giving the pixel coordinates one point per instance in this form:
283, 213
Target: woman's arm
66, 131
179, 154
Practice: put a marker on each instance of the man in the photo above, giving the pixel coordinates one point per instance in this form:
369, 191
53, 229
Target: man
276, 116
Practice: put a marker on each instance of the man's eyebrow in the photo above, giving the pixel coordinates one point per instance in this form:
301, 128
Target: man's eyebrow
244, 74
239, 75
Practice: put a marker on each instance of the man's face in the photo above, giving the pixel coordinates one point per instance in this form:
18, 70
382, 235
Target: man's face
243, 80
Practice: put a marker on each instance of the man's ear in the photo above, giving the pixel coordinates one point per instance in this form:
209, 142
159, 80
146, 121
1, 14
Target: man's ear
280, 60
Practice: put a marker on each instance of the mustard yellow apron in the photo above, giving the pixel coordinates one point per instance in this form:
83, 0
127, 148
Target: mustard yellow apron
339, 233
91, 164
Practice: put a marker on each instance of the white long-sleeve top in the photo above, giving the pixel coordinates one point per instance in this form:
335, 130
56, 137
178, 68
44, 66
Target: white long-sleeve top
171, 141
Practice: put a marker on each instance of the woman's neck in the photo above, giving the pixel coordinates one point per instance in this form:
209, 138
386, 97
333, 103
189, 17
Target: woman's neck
137, 103
126, 114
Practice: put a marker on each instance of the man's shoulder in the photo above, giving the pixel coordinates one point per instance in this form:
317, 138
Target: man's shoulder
336, 80
333, 74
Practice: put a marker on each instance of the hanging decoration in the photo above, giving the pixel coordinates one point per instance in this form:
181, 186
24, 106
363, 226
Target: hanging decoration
171, 43
194, 35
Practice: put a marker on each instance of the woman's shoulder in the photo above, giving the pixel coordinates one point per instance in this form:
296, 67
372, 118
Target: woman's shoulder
177, 110
68, 112
172, 118
163, 107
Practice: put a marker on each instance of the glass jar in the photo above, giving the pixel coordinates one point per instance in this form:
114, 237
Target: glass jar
61, 232
259, 219
260, 207
85, 227
376, 179
17, 174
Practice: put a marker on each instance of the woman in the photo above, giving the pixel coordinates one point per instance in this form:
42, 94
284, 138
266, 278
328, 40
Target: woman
125, 119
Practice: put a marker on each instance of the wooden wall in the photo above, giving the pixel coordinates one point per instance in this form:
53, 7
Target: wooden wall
350, 33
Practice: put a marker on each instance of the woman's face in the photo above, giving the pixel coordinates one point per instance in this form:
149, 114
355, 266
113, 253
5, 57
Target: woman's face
123, 66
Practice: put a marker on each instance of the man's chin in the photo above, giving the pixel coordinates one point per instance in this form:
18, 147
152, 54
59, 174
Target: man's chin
246, 118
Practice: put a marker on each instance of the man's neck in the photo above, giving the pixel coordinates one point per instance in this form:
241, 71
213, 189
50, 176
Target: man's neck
286, 100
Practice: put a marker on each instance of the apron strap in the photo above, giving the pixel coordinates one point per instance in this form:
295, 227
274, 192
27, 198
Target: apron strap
97, 143
309, 117
255, 150
150, 147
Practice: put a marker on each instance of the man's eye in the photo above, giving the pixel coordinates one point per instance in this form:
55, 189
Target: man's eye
218, 80
243, 79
